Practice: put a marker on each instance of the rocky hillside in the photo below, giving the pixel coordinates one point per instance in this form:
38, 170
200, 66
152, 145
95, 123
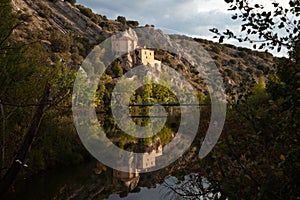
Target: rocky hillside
69, 32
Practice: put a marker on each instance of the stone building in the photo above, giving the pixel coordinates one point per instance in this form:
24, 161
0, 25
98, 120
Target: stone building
145, 56
124, 43
125, 46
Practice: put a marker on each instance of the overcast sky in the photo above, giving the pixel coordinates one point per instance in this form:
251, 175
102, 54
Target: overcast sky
189, 17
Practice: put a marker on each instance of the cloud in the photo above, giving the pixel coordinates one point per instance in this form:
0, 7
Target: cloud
191, 17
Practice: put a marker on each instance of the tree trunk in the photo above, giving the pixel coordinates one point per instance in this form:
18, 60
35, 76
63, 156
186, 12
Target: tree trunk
17, 163
3, 137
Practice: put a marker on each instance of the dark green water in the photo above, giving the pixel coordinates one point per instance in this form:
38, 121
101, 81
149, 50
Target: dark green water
80, 182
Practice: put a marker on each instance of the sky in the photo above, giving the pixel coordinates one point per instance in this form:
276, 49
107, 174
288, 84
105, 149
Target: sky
189, 17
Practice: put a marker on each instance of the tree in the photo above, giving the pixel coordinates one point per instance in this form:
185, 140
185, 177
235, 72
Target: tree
133, 23
258, 154
25, 83
121, 19
60, 43
19, 159
17, 68
117, 69
275, 28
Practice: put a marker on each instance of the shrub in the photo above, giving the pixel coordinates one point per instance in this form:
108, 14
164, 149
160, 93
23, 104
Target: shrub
86, 11
121, 19
232, 62
45, 12
133, 23
60, 44
249, 70
71, 1
216, 49
117, 69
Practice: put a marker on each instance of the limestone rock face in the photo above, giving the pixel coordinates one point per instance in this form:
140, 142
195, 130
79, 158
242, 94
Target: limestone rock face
58, 14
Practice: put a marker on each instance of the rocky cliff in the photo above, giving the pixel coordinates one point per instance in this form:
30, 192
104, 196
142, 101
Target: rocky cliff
58, 23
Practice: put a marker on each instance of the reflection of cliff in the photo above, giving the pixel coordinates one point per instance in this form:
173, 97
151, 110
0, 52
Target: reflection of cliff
130, 176
83, 183
129, 180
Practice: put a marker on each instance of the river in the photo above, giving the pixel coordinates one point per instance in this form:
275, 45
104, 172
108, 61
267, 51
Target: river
81, 182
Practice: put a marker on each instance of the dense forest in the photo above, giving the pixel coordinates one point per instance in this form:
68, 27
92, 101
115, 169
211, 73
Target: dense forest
257, 156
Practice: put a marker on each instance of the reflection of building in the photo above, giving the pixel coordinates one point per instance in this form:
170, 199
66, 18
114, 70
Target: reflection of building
148, 159
129, 176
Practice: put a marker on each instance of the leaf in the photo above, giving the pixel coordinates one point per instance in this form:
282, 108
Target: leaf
282, 157
234, 17
292, 4
261, 46
283, 19
295, 30
281, 25
221, 39
232, 8
279, 49
214, 30
243, 27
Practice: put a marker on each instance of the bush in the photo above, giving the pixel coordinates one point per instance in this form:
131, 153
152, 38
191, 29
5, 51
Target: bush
60, 43
71, 1
45, 12
86, 11
121, 19
216, 49
133, 23
117, 69
232, 62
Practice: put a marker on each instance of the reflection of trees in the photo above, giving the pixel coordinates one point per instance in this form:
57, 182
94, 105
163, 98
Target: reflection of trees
193, 187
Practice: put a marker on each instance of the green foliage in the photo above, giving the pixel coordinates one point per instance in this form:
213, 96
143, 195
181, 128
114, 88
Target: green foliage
25, 68
121, 19
258, 154
89, 13
117, 69
10, 21
165, 135
259, 94
132, 23
60, 43
216, 49
44, 11
259, 148
263, 24
57, 146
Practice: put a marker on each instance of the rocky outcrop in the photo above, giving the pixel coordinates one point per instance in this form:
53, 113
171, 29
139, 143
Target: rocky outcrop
61, 15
